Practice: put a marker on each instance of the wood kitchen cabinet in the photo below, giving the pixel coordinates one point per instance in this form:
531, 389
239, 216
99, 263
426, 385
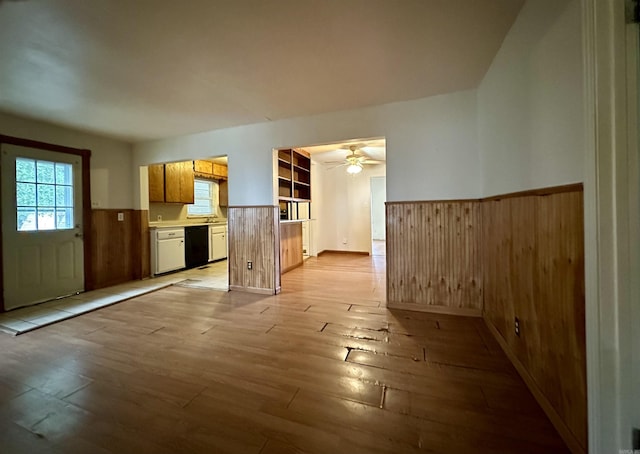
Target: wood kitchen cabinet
220, 171
178, 182
223, 193
156, 183
205, 167
210, 169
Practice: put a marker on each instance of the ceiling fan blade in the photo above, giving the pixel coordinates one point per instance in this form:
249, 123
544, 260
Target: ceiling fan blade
336, 166
371, 162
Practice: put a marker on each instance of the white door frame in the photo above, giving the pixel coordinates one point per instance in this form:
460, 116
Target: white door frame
611, 225
86, 202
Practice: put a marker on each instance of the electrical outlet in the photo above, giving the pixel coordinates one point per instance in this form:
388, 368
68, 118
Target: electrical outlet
159, 218
120, 216
517, 326
635, 434
344, 241
249, 265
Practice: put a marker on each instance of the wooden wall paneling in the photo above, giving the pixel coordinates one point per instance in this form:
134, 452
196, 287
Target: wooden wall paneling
120, 249
433, 263
156, 183
291, 246
534, 270
254, 236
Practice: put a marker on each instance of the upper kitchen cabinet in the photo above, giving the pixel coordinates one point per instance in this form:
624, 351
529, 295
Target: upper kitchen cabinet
171, 183
156, 183
178, 182
210, 169
294, 175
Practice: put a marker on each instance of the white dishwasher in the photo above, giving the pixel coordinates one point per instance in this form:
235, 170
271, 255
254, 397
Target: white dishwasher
217, 242
169, 254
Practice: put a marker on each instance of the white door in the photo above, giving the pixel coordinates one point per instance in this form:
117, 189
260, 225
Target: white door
42, 246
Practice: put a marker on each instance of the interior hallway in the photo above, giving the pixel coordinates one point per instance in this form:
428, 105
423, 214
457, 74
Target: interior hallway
322, 367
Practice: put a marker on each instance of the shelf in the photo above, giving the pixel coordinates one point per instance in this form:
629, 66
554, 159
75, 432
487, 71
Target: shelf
284, 179
284, 161
302, 183
301, 168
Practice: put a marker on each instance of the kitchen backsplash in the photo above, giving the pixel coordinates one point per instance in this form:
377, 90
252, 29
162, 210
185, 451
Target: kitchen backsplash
175, 212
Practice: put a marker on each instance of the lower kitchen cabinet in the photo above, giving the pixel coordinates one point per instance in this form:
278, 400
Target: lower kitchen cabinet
217, 242
167, 250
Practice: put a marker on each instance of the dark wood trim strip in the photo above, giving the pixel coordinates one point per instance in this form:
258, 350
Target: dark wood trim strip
573, 187
408, 202
331, 251
85, 155
43, 145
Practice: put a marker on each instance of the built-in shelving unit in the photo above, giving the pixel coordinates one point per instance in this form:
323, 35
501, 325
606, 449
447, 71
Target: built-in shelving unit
294, 180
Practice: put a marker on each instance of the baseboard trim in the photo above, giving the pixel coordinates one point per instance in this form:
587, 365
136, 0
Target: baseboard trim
292, 267
331, 251
567, 436
261, 291
463, 311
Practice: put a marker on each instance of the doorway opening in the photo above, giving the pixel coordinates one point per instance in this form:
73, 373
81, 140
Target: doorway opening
378, 217
188, 203
339, 219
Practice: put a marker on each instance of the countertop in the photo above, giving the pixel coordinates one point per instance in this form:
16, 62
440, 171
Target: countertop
292, 221
187, 223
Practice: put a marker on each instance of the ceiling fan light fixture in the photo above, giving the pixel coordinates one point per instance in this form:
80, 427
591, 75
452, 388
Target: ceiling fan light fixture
354, 168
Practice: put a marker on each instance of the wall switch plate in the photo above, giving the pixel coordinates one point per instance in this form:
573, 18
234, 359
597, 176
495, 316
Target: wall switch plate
120, 216
517, 326
249, 265
159, 217
344, 241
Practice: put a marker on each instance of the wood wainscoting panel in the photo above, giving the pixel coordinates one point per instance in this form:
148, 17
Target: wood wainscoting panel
119, 249
291, 246
533, 266
433, 256
254, 236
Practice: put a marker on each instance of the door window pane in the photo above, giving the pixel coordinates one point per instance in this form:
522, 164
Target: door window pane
44, 172
26, 194
26, 219
64, 218
64, 173
64, 196
46, 219
26, 170
44, 195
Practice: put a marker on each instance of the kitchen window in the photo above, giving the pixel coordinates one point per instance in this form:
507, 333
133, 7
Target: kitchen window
204, 199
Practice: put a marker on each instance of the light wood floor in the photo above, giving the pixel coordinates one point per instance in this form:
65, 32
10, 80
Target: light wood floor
321, 368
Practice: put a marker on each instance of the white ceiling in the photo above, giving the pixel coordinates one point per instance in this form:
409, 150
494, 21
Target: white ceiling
145, 69
337, 152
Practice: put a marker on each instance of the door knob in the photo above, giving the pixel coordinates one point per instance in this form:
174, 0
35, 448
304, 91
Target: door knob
78, 235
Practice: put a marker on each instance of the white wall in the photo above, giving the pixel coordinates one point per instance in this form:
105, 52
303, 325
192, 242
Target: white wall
431, 147
378, 215
344, 210
111, 170
530, 103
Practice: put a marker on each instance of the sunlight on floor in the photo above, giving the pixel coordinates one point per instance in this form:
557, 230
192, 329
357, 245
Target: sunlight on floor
18, 321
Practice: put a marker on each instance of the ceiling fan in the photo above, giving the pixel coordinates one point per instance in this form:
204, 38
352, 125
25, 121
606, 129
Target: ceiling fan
355, 160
